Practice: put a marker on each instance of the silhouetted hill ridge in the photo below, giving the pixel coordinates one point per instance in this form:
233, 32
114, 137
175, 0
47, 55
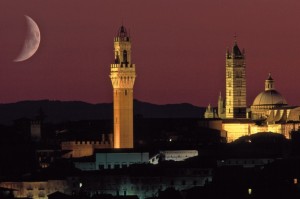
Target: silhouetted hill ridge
59, 111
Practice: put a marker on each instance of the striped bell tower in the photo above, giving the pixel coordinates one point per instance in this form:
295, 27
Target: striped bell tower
235, 83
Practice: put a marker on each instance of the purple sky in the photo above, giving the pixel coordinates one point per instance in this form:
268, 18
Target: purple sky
178, 48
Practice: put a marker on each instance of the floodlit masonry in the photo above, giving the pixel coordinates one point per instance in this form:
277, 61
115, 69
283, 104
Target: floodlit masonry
85, 148
38, 189
268, 113
122, 75
174, 155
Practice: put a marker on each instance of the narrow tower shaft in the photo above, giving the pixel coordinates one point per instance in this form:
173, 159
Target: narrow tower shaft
235, 83
122, 75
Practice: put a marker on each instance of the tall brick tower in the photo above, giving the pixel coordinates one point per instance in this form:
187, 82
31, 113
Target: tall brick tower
122, 75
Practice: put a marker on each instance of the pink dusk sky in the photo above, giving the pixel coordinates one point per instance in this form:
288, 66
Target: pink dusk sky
178, 47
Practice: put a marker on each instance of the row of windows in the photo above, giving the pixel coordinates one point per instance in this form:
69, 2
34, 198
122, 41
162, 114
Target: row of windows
238, 103
113, 166
238, 74
125, 92
237, 83
239, 110
239, 93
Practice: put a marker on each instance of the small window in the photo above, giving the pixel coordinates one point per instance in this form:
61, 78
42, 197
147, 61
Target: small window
229, 74
125, 92
125, 56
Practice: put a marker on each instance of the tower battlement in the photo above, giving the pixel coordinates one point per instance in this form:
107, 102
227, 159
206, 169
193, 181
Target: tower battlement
123, 39
122, 67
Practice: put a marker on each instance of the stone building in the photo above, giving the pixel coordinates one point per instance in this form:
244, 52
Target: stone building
235, 83
268, 113
269, 99
122, 75
38, 188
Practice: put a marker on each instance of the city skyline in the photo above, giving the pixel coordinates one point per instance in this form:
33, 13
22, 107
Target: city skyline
179, 48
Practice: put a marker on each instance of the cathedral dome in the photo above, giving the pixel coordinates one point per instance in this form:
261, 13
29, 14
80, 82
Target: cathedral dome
269, 97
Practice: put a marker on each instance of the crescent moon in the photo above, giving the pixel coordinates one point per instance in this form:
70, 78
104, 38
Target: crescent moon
32, 40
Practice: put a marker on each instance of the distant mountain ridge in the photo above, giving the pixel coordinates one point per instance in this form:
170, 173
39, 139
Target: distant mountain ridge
59, 111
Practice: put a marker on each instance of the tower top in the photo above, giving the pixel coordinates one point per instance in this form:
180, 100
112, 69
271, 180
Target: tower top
122, 34
270, 77
236, 50
269, 83
236, 53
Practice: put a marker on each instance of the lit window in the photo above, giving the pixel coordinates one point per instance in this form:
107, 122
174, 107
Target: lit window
249, 191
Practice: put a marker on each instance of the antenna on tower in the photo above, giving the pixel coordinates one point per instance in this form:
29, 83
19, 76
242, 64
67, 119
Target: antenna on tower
235, 36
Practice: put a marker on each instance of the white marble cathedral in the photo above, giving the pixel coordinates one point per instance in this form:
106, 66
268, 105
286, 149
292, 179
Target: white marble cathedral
269, 112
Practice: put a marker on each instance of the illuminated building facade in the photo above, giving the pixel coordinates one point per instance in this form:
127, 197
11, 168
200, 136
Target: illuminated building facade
122, 75
173, 155
84, 148
39, 189
111, 159
269, 99
269, 108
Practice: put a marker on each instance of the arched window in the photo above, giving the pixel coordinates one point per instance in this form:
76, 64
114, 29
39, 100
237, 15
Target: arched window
117, 59
125, 56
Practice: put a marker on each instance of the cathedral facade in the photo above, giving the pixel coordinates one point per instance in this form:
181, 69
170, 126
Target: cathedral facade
269, 111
